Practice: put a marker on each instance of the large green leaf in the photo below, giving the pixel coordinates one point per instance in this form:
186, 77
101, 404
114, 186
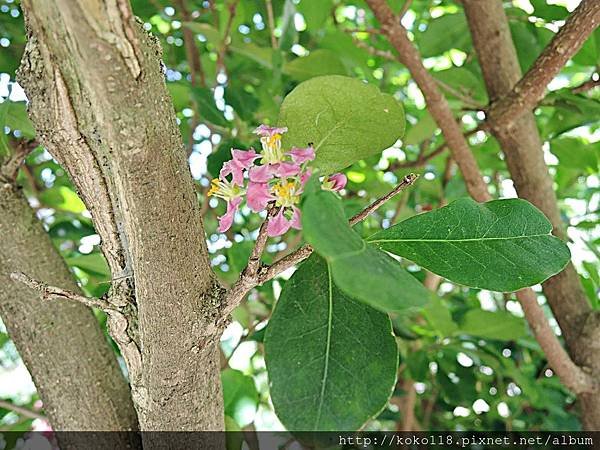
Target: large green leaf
444, 33
331, 361
361, 271
345, 118
500, 325
502, 245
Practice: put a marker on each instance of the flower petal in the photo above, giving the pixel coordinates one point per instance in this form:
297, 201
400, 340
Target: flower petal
300, 155
278, 225
226, 220
286, 169
266, 130
335, 182
235, 169
244, 158
296, 222
257, 196
261, 174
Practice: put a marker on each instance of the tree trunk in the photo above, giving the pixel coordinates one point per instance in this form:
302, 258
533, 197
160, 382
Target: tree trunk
61, 343
100, 105
525, 159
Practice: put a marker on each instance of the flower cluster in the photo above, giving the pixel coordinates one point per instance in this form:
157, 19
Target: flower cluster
278, 179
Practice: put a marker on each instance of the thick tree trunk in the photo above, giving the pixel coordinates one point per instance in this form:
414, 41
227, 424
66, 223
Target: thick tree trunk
524, 156
61, 343
100, 105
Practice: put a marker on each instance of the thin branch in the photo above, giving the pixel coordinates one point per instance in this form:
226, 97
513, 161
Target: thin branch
373, 51
269, 272
261, 242
226, 36
21, 410
55, 293
404, 10
10, 168
528, 92
592, 83
467, 100
423, 159
271, 20
191, 49
561, 363
406, 181
436, 102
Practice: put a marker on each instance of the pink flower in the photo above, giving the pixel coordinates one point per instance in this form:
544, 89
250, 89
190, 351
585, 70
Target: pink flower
258, 196
300, 155
226, 220
304, 177
296, 223
278, 225
241, 160
335, 182
265, 130
286, 169
244, 158
261, 174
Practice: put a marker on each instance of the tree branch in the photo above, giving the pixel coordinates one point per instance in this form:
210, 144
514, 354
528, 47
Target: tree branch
526, 94
255, 274
55, 293
22, 410
269, 272
436, 103
571, 375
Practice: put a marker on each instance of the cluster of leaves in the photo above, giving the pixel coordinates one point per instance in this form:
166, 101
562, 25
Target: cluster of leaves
466, 350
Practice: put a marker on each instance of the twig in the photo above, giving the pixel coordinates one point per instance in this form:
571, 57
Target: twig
407, 181
404, 10
21, 410
249, 275
271, 20
588, 85
10, 168
468, 101
374, 51
362, 30
527, 93
55, 293
227, 36
255, 274
266, 273
423, 159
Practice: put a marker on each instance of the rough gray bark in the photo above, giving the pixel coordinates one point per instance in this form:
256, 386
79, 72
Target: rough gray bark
100, 105
524, 156
61, 343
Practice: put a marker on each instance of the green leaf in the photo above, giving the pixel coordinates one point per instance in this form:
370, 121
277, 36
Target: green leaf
345, 118
207, 108
16, 118
63, 198
502, 245
360, 270
439, 317
420, 131
575, 153
444, 33
93, 263
549, 12
240, 397
289, 35
331, 361
211, 34
317, 63
418, 365
493, 325
315, 13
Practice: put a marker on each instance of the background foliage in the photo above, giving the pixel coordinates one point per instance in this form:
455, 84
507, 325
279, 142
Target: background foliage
468, 353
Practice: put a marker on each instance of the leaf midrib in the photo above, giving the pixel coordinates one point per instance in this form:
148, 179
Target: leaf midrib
327, 348
509, 238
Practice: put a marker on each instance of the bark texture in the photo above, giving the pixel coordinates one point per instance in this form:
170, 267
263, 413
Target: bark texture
66, 352
524, 156
101, 107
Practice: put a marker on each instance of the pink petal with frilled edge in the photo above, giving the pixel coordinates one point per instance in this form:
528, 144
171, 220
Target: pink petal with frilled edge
226, 220
257, 196
300, 155
278, 225
261, 174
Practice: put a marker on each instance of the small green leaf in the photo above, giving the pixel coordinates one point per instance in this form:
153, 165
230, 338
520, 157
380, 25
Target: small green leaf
317, 63
499, 325
502, 245
331, 361
360, 270
240, 397
345, 118
63, 198
444, 33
